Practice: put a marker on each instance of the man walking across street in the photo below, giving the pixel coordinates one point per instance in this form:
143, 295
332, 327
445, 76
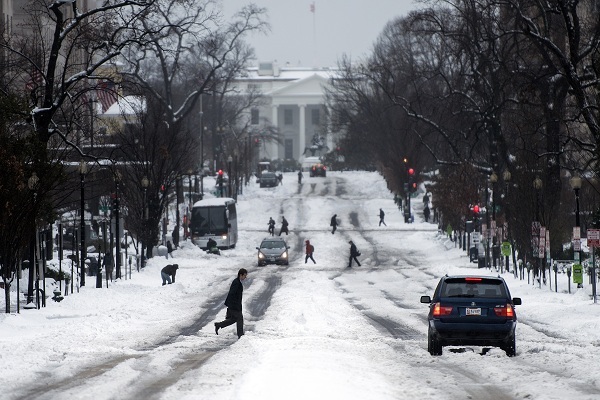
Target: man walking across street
333, 223
234, 305
284, 226
381, 217
353, 254
271, 226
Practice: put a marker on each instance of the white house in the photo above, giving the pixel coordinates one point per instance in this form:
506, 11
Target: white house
295, 105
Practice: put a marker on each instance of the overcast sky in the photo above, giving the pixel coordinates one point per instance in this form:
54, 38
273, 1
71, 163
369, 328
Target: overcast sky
301, 37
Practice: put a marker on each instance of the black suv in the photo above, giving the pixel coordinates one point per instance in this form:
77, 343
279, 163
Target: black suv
268, 179
471, 310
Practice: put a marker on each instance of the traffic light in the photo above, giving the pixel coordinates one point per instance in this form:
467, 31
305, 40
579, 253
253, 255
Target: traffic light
475, 209
220, 181
412, 185
115, 202
257, 142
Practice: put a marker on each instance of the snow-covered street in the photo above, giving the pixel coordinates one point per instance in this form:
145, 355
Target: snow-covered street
319, 331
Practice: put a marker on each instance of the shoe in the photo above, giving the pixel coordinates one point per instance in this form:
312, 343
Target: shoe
217, 328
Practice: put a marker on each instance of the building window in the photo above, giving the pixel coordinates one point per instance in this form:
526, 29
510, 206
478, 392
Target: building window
288, 116
254, 116
289, 148
316, 116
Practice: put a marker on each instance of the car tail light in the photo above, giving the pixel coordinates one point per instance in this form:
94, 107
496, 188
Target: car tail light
507, 311
439, 310
470, 280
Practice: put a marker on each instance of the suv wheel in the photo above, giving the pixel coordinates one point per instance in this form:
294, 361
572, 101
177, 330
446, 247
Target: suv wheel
510, 346
434, 346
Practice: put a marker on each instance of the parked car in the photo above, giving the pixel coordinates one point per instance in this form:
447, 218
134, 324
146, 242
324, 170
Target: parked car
318, 170
471, 310
268, 179
273, 250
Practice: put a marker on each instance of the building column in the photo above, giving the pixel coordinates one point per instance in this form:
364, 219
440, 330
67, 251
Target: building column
274, 146
302, 135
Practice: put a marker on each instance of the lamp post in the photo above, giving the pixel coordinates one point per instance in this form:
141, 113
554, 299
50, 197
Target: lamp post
506, 176
229, 188
145, 183
537, 185
493, 180
83, 168
575, 183
32, 184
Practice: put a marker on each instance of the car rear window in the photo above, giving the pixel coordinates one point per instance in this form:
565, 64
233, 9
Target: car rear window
272, 245
465, 287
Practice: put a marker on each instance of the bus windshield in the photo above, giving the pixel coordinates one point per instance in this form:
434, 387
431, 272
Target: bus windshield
209, 220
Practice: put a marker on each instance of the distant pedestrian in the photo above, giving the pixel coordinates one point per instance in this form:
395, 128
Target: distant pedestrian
175, 236
169, 249
280, 178
381, 217
309, 252
333, 223
234, 305
168, 273
300, 176
353, 254
271, 226
426, 213
284, 226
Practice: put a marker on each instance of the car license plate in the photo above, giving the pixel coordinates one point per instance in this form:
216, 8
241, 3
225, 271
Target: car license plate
473, 311
272, 259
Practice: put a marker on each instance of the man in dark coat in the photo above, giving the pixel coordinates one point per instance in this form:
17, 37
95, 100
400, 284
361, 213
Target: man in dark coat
353, 254
333, 223
169, 249
168, 273
300, 176
271, 226
381, 217
284, 226
234, 305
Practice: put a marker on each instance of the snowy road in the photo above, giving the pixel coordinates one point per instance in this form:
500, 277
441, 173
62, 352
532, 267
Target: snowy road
312, 331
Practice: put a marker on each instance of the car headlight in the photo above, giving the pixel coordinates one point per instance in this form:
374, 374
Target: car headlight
284, 254
224, 237
261, 255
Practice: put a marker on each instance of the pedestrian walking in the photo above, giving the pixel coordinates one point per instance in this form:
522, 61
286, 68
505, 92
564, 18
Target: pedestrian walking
271, 226
168, 273
309, 252
353, 254
175, 236
280, 178
284, 226
426, 213
300, 176
234, 305
381, 217
169, 249
333, 223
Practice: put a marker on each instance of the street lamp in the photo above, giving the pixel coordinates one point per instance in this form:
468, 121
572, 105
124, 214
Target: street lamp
229, 161
83, 169
575, 183
493, 180
145, 183
537, 185
506, 176
32, 184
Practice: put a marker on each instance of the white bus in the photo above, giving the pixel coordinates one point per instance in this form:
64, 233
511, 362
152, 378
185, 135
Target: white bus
214, 218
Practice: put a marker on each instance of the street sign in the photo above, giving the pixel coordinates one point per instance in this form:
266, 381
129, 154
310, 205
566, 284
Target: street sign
505, 249
577, 245
593, 237
576, 233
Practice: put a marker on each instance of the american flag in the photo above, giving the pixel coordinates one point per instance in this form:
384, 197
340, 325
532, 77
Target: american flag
36, 78
107, 94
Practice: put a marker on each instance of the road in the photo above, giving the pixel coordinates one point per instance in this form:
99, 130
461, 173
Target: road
384, 292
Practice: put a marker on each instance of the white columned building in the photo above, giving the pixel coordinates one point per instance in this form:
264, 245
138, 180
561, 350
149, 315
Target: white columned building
294, 106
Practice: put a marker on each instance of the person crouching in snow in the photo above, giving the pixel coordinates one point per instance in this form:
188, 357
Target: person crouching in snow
169, 272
